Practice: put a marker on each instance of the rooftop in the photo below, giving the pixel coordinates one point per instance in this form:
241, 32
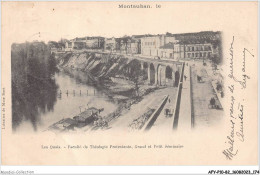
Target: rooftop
193, 42
167, 46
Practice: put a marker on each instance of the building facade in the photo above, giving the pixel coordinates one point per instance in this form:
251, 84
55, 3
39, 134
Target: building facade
156, 45
68, 46
166, 51
85, 43
192, 50
124, 45
95, 42
110, 44
198, 45
74, 44
198, 50
135, 46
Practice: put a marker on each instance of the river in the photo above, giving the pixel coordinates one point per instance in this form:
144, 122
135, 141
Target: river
72, 97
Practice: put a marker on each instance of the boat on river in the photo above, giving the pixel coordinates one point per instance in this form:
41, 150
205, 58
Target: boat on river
85, 118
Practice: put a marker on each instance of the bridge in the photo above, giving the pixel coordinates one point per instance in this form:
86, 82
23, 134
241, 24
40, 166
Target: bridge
159, 72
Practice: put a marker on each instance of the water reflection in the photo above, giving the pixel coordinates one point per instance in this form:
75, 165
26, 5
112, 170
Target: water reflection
37, 98
70, 96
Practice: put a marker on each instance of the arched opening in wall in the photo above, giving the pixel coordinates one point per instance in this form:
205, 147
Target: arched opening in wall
145, 68
145, 65
152, 74
168, 72
161, 75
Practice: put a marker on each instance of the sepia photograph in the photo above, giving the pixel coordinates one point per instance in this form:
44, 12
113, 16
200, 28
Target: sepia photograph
130, 83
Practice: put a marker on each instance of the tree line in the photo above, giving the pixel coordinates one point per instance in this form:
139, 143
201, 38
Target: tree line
33, 84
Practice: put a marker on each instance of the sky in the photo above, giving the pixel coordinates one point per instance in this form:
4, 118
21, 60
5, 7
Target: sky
52, 20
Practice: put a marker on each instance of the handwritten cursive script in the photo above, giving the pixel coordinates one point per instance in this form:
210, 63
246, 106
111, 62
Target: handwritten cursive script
240, 133
245, 77
230, 152
237, 106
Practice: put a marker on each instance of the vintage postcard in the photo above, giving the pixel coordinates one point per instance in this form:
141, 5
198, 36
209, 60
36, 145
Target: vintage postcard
129, 83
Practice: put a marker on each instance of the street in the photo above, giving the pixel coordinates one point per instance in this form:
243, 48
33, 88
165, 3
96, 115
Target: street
202, 92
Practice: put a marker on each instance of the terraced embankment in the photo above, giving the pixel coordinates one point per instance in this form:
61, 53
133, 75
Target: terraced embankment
112, 74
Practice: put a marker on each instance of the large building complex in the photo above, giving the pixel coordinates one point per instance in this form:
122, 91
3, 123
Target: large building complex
193, 50
76, 43
110, 44
85, 43
95, 42
200, 45
157, 45
124, 45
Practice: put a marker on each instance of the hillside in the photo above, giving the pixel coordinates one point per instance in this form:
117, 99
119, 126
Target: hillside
119, 77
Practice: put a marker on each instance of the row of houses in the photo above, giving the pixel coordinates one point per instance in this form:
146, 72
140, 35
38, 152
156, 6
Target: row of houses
124, 45
171, 46
85, 43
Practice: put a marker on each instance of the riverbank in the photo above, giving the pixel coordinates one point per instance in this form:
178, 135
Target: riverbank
118, 90
110, 80
115, 75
